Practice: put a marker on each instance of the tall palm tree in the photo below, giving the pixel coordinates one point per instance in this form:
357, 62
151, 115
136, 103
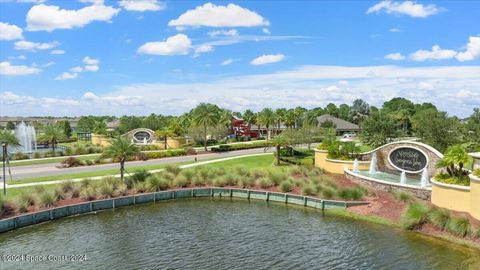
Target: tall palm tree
267, 118
205, 115
250, 117
121, 149
9, 138
280, 116
52, 134
310, 119
290, 118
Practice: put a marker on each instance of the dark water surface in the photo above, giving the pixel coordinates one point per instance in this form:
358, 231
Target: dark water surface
228, 234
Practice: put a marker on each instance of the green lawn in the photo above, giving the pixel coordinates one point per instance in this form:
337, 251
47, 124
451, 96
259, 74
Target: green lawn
250, 162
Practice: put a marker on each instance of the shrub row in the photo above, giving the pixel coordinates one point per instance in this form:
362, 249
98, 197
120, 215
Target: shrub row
306, 180
239, 146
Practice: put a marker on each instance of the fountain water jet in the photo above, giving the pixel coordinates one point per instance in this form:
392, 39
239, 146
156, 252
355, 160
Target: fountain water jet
403, 178
424, 179
27, 137
373, 164
355, 165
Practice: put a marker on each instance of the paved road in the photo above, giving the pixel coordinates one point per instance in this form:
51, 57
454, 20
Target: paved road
29, 171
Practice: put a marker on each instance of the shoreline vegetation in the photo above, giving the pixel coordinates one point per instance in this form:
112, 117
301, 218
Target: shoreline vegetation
404, 210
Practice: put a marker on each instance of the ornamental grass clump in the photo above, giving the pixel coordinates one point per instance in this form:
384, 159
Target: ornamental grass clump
286, 186
29, 198
276, 177
403, 196
89, 193
67, 186
157, 183
246, 182
106, 190
460, 226
173, 169
23, 206
47, 199
328, 192
309, 190
415, 216
439, 217
231, 179
140, 187
198, 181
120, 190
180, 181
350, 194
264, 182
219, 182
7, 207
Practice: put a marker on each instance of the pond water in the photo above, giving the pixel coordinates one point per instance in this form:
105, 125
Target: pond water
228, 234
389, 177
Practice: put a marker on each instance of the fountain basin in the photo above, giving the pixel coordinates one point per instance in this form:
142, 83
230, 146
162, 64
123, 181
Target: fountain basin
389, 182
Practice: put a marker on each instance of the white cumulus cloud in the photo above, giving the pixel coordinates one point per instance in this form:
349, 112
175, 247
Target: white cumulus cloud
211, 15
179, 44
34, 46
142, 5
394, 56
267, 59
409, 8
435, 54
48, 18
66, 76
10, 31
6, 68
472, 52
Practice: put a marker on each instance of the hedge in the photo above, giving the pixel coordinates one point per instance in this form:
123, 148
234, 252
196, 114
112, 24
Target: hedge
239, 146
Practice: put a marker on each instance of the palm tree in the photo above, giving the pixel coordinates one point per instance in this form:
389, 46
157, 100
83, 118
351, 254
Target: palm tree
310, 119
290, 118
267, 118
250, 117
8, 138
280, 116
52, 134
205, 115
121, 149
164, 134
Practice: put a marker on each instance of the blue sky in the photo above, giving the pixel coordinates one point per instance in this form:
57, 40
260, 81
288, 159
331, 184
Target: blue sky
138, 57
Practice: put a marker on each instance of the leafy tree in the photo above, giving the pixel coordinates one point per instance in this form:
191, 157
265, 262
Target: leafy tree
472, 129
86, 124
10, 125
128, 123
378, 129
67, 129
121, 149
267, 118
331, 109
401, 110
344, 112
359, 111
52, 134
436, 128
205, 115
100, 127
